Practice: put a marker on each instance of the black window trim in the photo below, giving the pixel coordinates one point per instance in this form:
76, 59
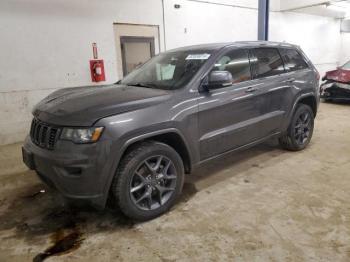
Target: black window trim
267, 47
250, 56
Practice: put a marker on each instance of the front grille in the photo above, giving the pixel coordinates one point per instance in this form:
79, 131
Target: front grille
44, 135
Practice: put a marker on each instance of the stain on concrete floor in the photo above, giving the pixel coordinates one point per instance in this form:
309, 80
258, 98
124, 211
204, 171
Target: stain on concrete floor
264, 204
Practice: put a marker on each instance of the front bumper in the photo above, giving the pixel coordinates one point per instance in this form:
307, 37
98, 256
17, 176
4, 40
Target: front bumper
340, 91
76, 171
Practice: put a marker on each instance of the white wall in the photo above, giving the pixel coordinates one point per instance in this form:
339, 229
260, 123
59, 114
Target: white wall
345, 48
196, 22
318, 36
46, 45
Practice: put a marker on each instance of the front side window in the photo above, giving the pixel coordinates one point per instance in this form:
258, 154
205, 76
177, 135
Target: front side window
169, 71
237, 63
266, 62
293, 61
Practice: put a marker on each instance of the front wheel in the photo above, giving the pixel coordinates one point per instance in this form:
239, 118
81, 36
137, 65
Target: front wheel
300, 130
148, 181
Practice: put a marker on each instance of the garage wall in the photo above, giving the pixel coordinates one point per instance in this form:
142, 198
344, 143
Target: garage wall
318, 36
345, 48
198, 22
46, 45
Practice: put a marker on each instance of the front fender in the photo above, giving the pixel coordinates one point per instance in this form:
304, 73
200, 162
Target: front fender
118, 149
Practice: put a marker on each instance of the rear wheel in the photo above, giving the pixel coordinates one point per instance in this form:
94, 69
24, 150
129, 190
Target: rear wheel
300, 130
148, 181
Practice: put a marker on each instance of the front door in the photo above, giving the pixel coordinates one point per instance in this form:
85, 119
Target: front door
228, 116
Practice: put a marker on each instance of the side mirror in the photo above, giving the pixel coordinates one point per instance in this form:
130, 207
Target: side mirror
217, 79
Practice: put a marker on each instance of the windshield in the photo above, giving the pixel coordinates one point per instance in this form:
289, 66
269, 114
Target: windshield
346, 66
170, 70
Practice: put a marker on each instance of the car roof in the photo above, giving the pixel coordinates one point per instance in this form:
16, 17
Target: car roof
217, 46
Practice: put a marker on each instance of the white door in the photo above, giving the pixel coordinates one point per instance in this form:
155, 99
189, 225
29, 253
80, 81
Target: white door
135, 44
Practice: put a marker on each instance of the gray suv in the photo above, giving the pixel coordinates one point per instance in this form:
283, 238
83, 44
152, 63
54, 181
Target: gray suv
133, 141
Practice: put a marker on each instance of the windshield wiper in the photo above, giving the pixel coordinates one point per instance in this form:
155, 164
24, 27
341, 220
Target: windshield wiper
147, 85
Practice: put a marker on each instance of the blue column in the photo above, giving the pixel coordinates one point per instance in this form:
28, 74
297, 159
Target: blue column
263, 20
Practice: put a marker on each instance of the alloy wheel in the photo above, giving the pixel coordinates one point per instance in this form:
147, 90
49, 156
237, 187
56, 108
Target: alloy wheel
153, 183
302, 128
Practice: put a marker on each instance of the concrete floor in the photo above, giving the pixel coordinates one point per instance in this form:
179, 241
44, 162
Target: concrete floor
264, 204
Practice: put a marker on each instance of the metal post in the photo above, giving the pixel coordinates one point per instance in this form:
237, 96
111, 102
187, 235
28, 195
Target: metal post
263, 20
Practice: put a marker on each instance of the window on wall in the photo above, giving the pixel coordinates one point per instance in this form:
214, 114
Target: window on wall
266, 62
292, 60
237, 63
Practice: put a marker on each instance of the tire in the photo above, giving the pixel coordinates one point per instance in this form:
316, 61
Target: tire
300, 129
142, 192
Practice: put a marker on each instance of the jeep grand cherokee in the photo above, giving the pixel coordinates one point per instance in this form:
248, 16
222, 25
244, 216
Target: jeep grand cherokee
133, 141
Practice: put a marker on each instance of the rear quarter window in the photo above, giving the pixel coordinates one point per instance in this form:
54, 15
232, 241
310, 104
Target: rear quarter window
292, 59
266, 62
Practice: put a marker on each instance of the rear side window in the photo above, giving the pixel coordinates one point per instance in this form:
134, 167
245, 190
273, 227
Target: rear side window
237, 63
293, 61
266, 62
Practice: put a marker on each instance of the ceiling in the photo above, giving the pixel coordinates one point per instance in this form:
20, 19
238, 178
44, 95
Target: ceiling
330, 8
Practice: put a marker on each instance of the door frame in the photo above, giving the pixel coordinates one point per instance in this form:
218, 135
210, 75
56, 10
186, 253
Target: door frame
134, 39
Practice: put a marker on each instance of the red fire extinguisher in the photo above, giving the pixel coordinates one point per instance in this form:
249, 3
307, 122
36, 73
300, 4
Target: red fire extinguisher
97, 70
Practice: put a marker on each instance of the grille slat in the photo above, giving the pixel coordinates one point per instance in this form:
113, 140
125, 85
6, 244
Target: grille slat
43, 134
35, 135
53, 138
32, 128
47, 135
39, 134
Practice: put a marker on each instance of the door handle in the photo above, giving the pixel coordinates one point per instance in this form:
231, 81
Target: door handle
251, 89
290, 80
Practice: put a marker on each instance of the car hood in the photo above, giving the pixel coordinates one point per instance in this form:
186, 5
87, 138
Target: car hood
83, 106
339, 75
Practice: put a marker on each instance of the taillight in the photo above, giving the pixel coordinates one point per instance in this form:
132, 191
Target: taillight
318, 76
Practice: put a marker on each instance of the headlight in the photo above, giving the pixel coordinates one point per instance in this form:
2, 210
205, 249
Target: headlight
82, 135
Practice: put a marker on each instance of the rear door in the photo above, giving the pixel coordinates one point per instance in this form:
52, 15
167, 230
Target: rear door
268, 70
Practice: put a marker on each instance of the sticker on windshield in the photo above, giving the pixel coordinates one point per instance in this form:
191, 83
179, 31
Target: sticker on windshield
197, 57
